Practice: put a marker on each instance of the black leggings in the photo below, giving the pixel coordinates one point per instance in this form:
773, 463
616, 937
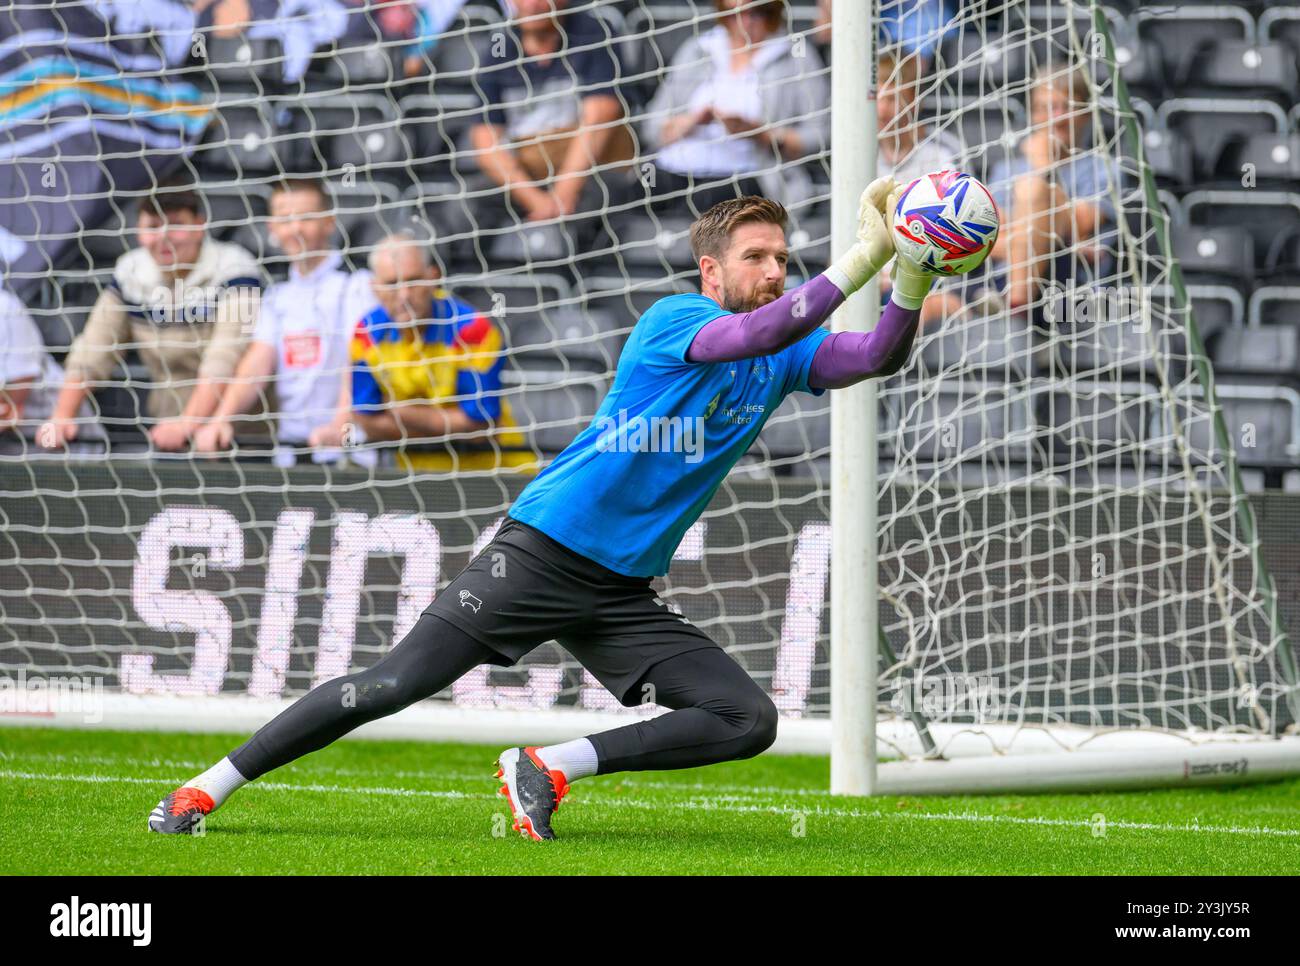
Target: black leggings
719, 713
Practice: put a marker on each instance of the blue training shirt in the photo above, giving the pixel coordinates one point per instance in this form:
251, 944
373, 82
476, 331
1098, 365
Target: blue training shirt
627, 489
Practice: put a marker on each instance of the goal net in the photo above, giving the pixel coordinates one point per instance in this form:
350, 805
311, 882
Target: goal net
1067, 554
1068, 559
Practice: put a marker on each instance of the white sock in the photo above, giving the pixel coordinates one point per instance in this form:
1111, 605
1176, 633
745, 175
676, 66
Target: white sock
577, 758
219, 781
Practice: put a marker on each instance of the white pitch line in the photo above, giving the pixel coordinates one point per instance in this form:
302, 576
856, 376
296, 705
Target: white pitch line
707, 804
439, 774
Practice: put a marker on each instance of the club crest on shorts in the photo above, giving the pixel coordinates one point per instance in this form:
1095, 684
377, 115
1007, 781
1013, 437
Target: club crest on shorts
469, 600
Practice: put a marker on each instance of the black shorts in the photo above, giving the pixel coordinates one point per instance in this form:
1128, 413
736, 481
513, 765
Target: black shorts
524, 589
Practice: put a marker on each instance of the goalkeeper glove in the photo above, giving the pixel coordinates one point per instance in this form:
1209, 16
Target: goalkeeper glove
911, 283
875, 247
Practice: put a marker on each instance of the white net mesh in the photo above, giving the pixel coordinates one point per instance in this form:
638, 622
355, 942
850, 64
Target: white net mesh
1057, 523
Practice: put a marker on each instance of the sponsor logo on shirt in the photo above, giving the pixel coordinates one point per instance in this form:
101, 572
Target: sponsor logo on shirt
743, 415
302, 350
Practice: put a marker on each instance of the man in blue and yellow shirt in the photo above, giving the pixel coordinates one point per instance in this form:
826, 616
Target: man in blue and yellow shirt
427, 369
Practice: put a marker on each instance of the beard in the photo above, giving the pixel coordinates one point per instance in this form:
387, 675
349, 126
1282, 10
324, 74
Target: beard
737, 302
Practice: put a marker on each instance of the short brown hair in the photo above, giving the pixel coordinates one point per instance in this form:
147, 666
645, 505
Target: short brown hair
176, 193
711, 233
772, 12
298, 182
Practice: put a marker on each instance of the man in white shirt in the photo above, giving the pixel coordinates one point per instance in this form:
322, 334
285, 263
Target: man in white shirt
29, 376
303, 337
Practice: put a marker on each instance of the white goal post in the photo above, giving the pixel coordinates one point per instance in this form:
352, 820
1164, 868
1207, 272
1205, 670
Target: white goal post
958, 728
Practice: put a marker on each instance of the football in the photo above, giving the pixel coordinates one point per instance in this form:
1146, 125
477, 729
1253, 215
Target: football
946, 222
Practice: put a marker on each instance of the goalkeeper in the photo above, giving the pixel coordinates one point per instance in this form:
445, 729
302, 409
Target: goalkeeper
576, 555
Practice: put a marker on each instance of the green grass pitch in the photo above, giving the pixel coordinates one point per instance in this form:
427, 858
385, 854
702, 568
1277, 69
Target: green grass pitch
75, 802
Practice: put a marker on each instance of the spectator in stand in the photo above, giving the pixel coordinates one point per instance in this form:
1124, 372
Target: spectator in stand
916, 26
908, 149
427, 370
303, 336
553, 132
1054, 195
185, 302
29, 380
737, 105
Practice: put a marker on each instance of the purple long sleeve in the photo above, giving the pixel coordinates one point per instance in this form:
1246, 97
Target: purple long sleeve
844, 358
769, 328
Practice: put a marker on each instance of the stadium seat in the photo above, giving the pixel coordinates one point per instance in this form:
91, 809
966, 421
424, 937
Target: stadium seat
1138, 339
953, 420
1060, 32
1281, 24
250, 140
365, 215
971, 61
1212, 126
1215, 307
448, 206
1224, 253
655, 244
1266, 354
1243, 68
1274, 305
1272, 160
1263, 424
437, 128
353, 67
627, 300
252, 63
1282, 263
1056, 21
64, 306
541, 314
231, 209
239, 215
504, 294
994, 346
568, 332
461, 53
987, 133
1269, 216
809, 239
975, 122
532, 244
1180, 32
655, 34
357, 133
551, 404
1108, 423
1170, 158
1141, 64
100, 245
